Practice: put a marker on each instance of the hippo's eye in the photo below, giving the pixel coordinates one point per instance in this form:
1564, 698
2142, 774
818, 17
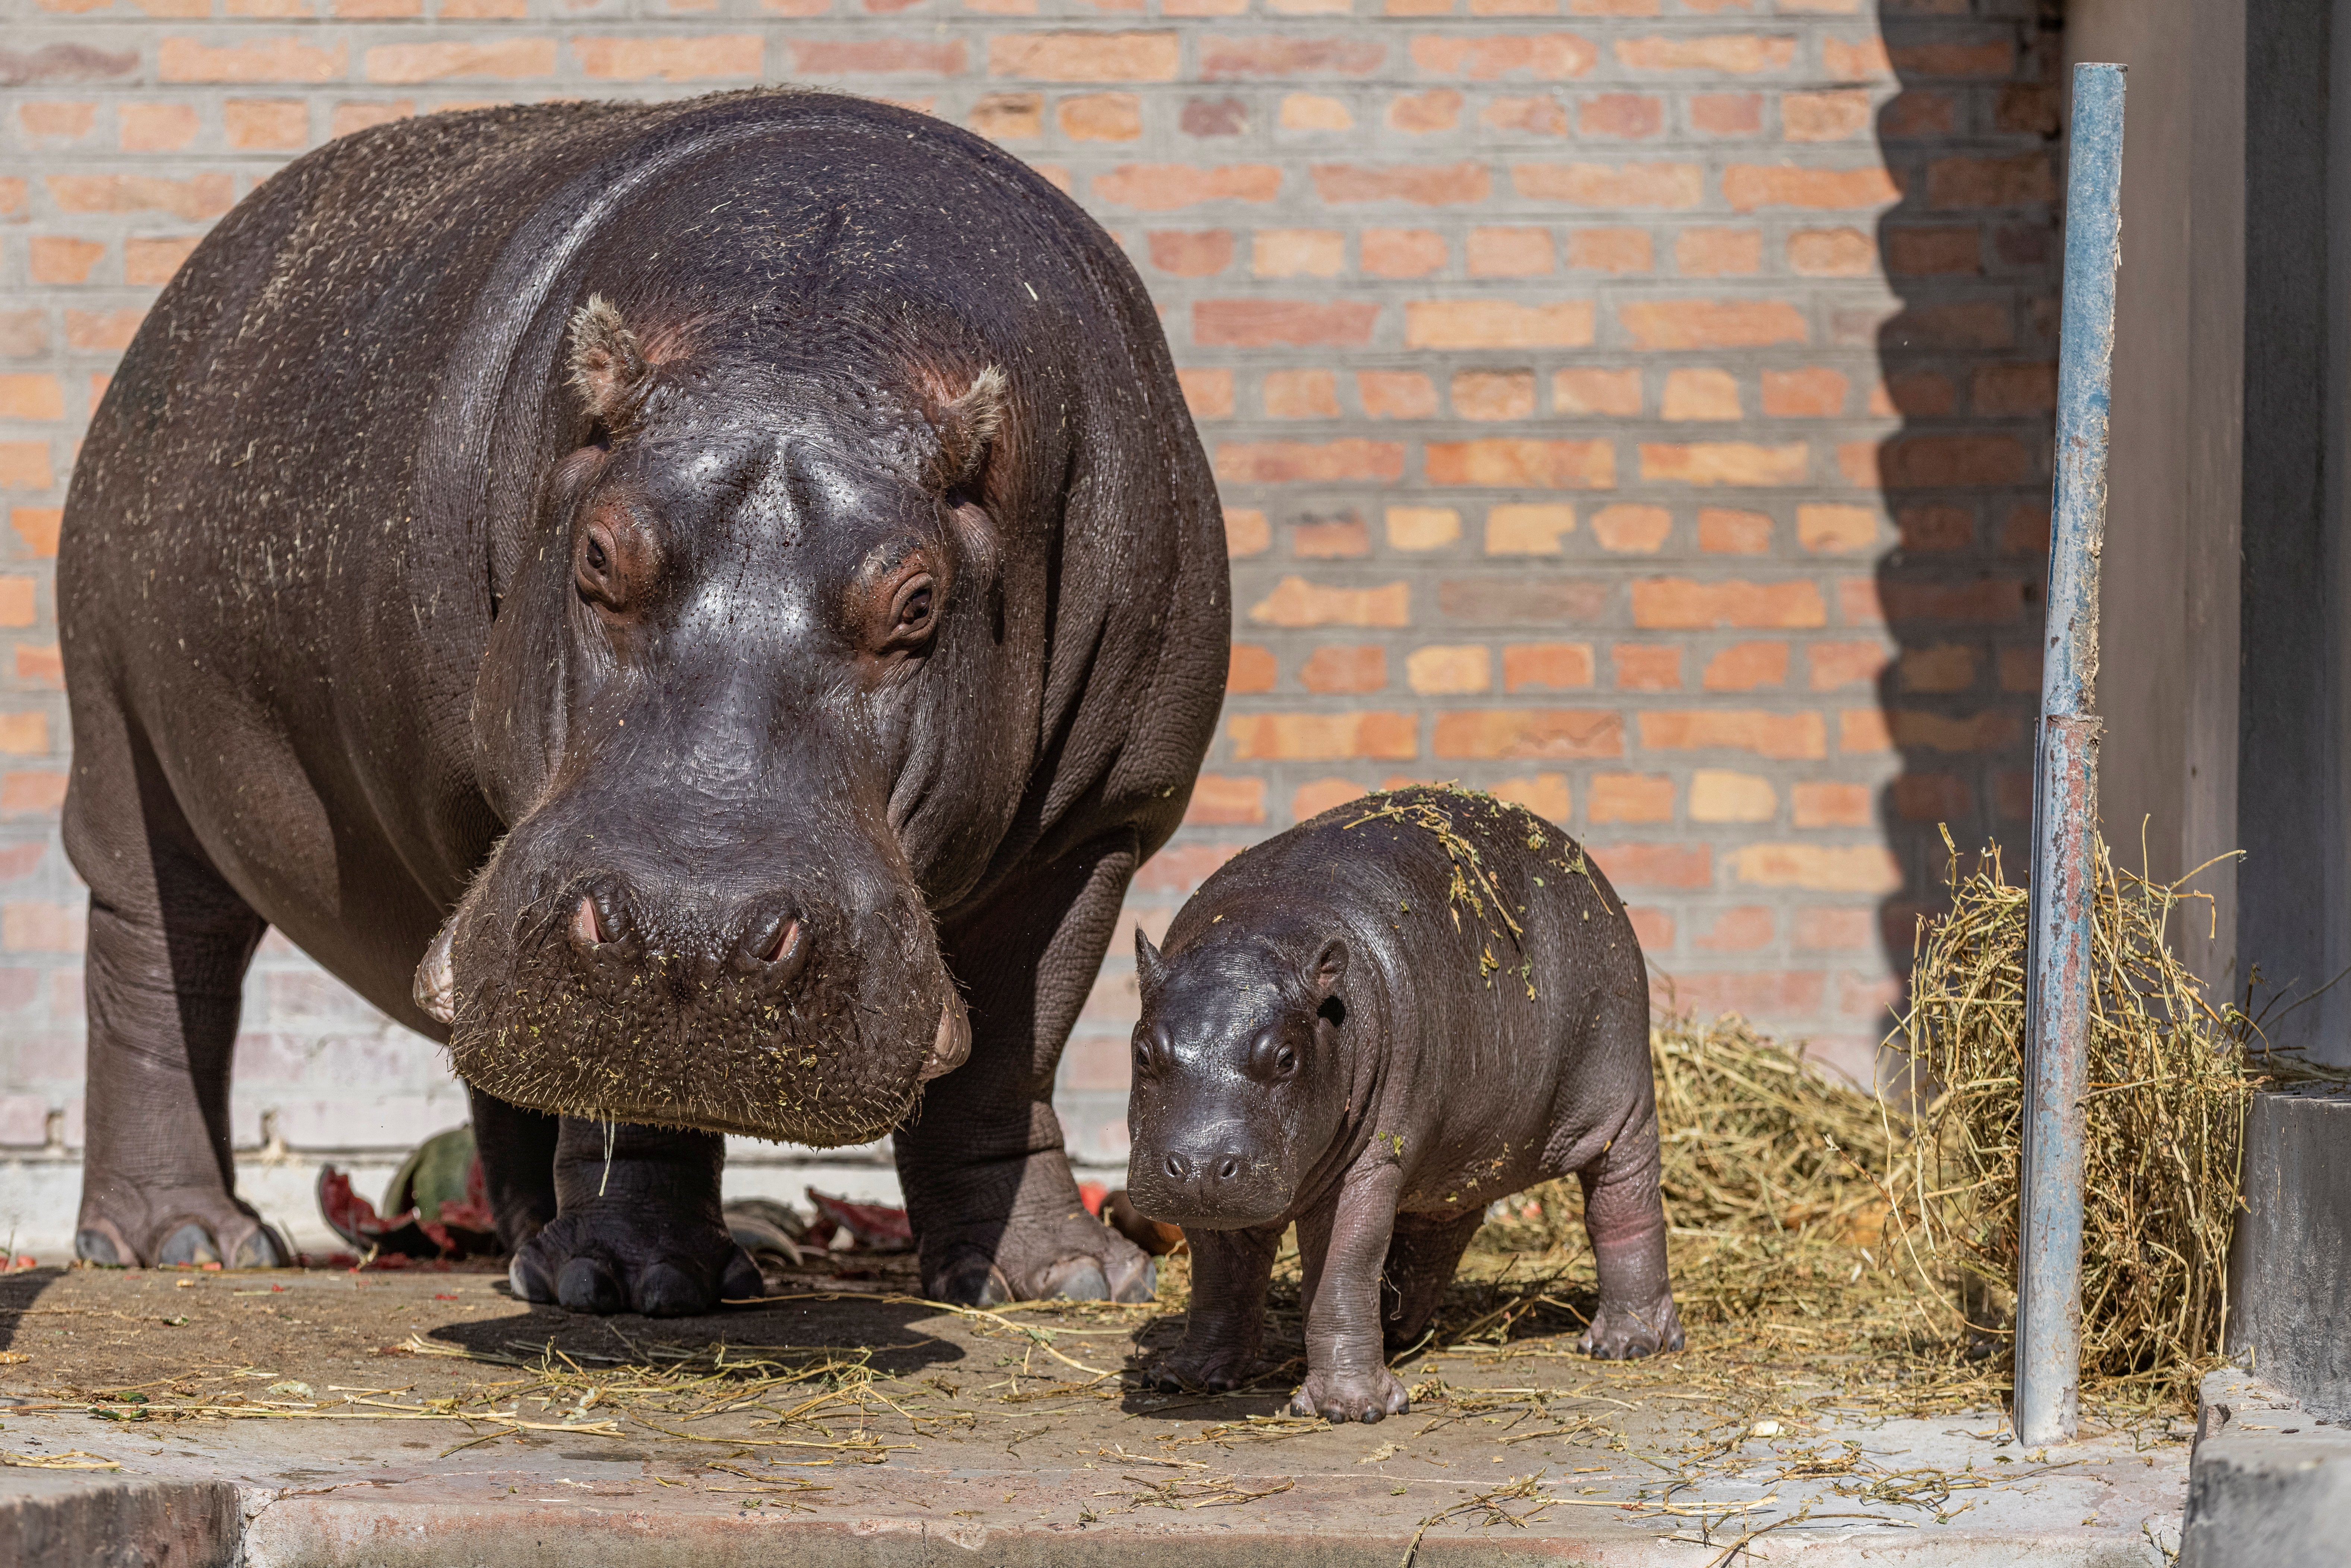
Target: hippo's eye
597, 558
1285, 1062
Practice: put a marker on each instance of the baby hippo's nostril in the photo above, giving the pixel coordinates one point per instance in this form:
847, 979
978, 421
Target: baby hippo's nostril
1228, 1168
1177, 1167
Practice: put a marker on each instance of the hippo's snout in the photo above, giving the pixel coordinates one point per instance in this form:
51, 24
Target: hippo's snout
769, 941
1212, 1179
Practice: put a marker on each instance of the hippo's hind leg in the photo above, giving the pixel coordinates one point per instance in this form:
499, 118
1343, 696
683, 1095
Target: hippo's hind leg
1422, 1257
637, 1224
1624, 1216
988, 1189
162, 978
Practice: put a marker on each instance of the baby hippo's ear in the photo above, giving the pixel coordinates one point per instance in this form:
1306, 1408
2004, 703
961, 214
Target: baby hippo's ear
968, 425
1150, 968
1330, 968
609, 367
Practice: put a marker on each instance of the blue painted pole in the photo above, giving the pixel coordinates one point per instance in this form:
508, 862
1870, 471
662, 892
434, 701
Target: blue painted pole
2058, 974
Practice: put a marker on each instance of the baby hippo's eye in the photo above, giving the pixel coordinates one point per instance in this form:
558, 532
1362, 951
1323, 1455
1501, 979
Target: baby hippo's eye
1285, 1061
1272, 1059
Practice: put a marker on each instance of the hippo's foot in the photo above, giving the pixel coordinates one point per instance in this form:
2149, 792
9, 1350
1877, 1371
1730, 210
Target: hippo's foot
1359, 1394
1218, 1368
1041, 1253
613, 1256
1620, 1331
177, 1229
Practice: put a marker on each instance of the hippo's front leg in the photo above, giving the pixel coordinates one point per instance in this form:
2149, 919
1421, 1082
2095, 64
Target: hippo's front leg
636, 1225
988, 1191
1230, 1273
1342, 1248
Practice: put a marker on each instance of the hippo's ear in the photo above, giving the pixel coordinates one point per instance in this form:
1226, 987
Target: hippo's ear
968, 425
1330, 968
609, 367
1150, 968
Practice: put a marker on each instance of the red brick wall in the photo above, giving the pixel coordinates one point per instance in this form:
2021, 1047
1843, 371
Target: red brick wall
1639, 410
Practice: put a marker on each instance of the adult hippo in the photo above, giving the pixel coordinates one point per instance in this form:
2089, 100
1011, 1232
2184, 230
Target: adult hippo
701, 606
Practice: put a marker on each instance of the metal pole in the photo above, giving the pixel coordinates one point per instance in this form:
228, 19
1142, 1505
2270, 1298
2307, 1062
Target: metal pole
2065, 784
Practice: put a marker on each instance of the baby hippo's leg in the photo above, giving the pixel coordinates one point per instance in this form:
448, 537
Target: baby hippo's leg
1221, 1332
1422, 1257
1342, 1248
1625, 1218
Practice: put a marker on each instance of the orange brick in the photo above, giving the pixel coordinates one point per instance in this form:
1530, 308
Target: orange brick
1743, 666
1818, 868
1315, 111
350, 117
1647, 667
1489, 57
1610, 250
157, 126
274, 59
40, 665
1583, 391
1422, 528
1246, 532
101, 330
1935, 528
1252, 669
1494, 394
1948, 462
1831, 253
1528, 115
38, 526
24, 734
13, 191
1497, 324
1295, 601
1988, 731
1629, 529
1864, 730
1085, 56
1544, 794
1401, 253
1816, 393
1322, 795
1207, 393
1748, 187
1835, 665
1656, 865
513, 59
1509, 252
1700, 394
1547, 666
1830, 116
24, 465
1653, 928
1820, 805
1630, 798
2025, 180
58, 122
1688, 604
1523, 733
1624, 114
32, 793
1355, 54
1419, 113
199, 198
2020, 669
17, 606
1718, 795
1727, 113
1611, 184
1164, 187
1921, 252
1712, 323
1323, 737
32, 397
1291, 323
1530, 528
1718, 253
1009, 116
2001, 391
1783, 736
1722, 530
1332, 668
1915, 393
1301, 394
153, 261
1329, 539
1395, 395
1190, 254
1740, 463
1825, 527
1298, 252
1820, 930
1744, 929
1726, 53
1299, 462
267, 124
1441, 670
59, 258
1100, 117
1524, 463
1427, 185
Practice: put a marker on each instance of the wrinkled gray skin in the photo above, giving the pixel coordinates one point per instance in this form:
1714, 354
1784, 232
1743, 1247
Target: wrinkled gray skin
748, 559
1321, 1046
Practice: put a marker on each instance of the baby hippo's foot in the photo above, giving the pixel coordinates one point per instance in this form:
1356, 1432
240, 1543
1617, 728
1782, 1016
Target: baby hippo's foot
1621, 1332
1220, 1368
1362, 1393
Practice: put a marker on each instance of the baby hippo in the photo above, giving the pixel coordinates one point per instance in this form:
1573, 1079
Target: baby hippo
1372, 1027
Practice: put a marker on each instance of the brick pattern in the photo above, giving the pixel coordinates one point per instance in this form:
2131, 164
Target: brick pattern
1638, 408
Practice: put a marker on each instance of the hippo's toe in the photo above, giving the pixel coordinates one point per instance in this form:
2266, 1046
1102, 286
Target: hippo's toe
1365, 1393
607, 1258
1624, 1332
215, 1234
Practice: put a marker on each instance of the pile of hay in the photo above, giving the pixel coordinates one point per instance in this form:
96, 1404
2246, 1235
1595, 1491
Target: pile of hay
2171, 1074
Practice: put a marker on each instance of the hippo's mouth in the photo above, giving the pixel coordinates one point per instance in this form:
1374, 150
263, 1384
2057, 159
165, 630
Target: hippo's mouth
689, 1042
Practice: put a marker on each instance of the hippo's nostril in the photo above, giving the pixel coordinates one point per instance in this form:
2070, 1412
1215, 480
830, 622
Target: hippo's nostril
1228, 1168
787, 937
775, 946
587, 923
1177, 1167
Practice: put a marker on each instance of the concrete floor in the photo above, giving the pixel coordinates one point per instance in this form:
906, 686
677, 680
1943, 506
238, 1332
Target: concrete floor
331, 1418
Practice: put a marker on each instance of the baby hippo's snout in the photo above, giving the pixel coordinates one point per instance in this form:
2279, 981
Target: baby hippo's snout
1212, 1180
